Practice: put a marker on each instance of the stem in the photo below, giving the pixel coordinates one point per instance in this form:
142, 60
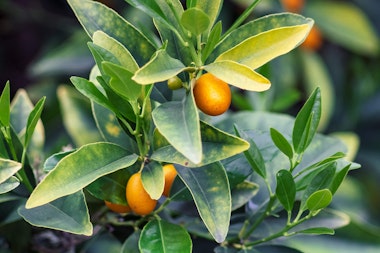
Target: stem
241, 18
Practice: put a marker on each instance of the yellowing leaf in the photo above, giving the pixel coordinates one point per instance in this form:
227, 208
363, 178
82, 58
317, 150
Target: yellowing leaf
263, 47
238, 75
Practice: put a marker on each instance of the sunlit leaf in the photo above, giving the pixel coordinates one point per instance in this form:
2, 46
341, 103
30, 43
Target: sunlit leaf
9, 184
195, 20
152, 177
79, 169
238, 75
8, 168
319, 199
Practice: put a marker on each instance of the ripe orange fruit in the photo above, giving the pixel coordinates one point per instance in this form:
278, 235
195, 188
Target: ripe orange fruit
314, 40
117, 208
138, 199
170, 174
293, 5
212, 95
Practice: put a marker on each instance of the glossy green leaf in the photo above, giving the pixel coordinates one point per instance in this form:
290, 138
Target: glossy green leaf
212, 8
110, 128
5, 100
152, 177
338, 179
306, 123
322, 180
131, 245
160, 236
242, 193
316, 75
211, 193
281, 143
212, 40
121, 81
319, 199
260, 49
33, 119
8, 168
286, 189
160, 68
256, 27
9, 184
76, 114
95, 16
253, 154
195, 20
117, 49
79, 169
317, 231
69, 214
21, 108
238, 75
178, 122
111, 187
345, 24
216, 145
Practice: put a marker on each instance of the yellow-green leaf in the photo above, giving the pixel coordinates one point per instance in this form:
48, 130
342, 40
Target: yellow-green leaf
238, 75
263, 47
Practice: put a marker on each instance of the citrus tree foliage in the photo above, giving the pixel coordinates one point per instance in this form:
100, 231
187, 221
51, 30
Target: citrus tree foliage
252, 177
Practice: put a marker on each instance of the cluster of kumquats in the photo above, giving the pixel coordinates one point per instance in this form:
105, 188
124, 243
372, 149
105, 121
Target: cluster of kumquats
314, 40
139, 201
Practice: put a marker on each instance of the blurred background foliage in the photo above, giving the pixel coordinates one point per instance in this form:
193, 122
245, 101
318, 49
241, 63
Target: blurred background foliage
42, 45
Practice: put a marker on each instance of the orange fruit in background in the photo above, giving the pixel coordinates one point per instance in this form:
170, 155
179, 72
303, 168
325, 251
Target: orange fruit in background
138, 199
170, 173
293, 5
314, 40
117, 208
212, 95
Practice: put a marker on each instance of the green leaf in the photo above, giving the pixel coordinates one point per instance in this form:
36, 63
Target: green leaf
260, 49
253, 154
69, 214
315, 69
160, 236
317, 231
131, 245
152, 177
5, 100
338, 179
8, 168
178, 122
79, 169
212, 8
319, 199
52, 160
212, 40
281, 143
256, 27
121, 81
306, 123
211, 193
33, 119
286, 189
345, 24
76, 114
117, 49
238, 75
95, 16
195, 20
110, 128
160, 68
9, 184
242, 193
216, 145
111, 187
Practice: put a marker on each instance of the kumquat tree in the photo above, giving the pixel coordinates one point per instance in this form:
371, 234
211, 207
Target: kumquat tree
174, 165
